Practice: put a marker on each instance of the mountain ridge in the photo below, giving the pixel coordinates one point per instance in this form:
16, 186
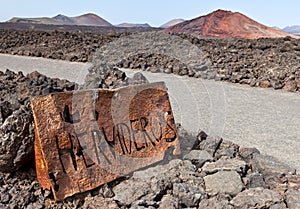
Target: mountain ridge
134, 25
293, 29
88, 19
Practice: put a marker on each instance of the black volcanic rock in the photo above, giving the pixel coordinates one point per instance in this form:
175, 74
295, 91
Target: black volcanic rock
266, 63
16, 121
102, 75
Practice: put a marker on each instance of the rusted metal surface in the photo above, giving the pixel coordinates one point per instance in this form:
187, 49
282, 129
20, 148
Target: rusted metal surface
88, 138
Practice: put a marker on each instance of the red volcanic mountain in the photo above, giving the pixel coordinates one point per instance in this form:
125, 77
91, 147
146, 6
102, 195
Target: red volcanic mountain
91, 20
226, 24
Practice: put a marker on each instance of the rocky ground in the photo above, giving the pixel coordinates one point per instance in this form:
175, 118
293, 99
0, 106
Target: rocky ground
72, 28
16, 121
264, 63
211, 172
55, 44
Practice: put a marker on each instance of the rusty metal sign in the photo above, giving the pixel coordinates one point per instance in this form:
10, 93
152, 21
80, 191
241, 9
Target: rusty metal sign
87, 138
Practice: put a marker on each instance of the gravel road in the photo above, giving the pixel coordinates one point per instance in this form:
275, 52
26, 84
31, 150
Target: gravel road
73, 71
253, 117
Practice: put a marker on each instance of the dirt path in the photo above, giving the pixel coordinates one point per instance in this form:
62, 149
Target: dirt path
252, 117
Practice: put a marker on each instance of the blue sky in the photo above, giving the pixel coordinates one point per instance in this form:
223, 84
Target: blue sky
155, 12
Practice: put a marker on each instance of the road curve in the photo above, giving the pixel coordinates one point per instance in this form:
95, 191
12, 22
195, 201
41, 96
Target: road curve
253, 117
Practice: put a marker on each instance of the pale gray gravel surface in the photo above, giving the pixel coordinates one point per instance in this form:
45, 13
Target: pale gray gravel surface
253, 117
72, 71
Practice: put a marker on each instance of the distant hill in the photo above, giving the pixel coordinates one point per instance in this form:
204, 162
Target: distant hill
295, 29
134, 25
64, 19
226, 24
277, 28
91, 20
172, 23
86, 20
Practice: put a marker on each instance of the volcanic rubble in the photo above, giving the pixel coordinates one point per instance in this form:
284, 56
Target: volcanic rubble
261, 62
266, 63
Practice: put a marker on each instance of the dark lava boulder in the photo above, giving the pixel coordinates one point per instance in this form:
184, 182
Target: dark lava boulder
16, 120
102, 75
